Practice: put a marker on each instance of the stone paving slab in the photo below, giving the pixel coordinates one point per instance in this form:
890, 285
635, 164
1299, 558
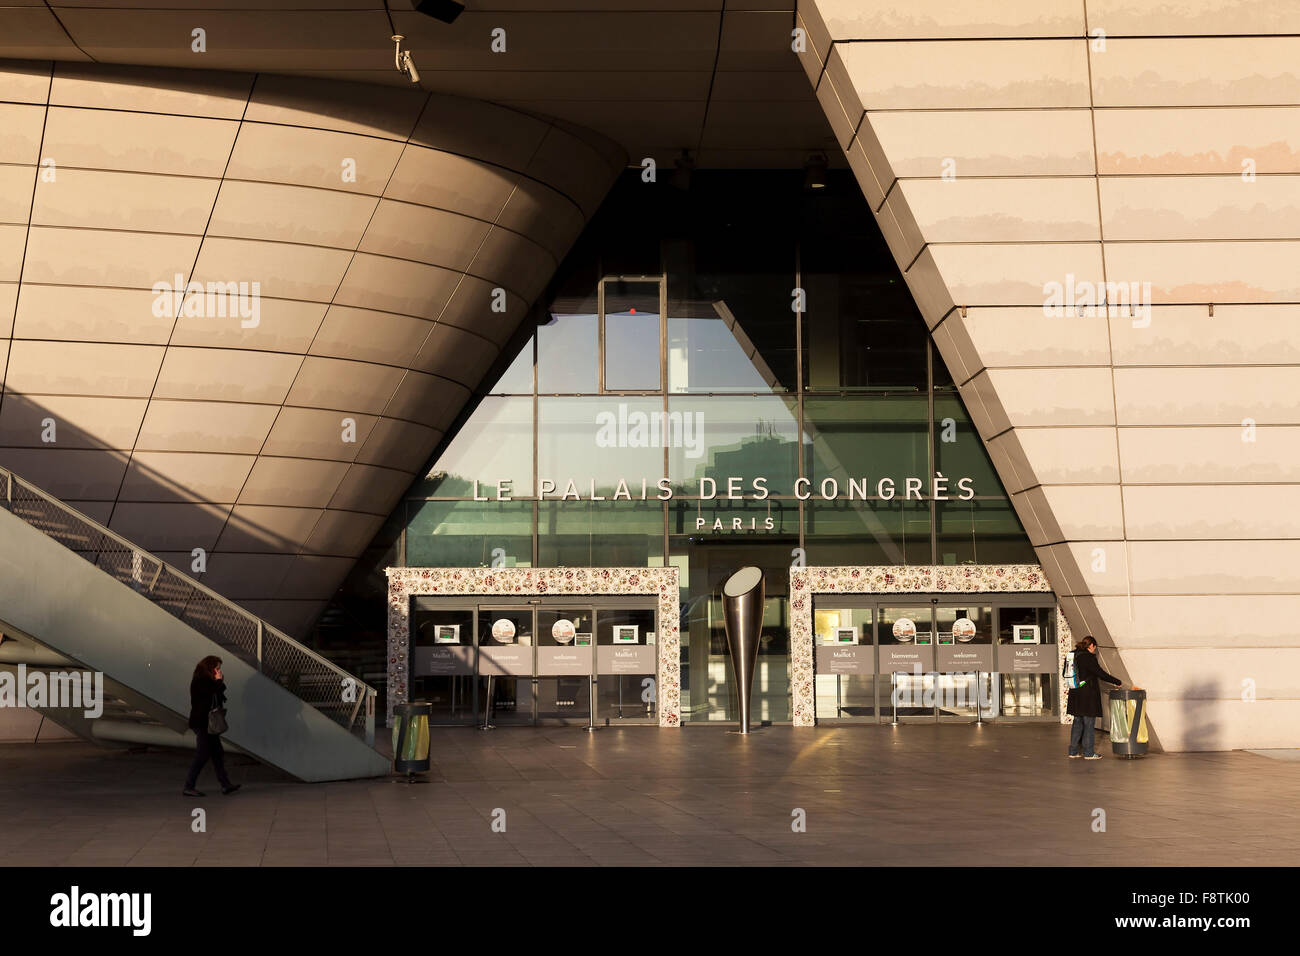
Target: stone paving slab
639, 796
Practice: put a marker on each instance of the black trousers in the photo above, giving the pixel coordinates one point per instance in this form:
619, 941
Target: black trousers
209, 748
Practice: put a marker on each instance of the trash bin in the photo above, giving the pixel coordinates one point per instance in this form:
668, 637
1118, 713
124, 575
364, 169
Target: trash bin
1128, 723
411, 738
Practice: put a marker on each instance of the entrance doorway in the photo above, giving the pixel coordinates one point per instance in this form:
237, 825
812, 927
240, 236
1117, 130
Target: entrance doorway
540, 662
933, 658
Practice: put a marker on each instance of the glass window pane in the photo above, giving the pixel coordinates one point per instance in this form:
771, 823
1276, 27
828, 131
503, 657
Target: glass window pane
493, 446
710, 352
567, 347
959, 450
469, 534
518, 378
862, 329
869, 438
608, 534
1028, 695
981, 532
725, 437
632, 336
730, 289
598, 441
877, 532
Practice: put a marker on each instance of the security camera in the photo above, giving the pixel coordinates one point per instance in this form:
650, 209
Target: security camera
408, 67
402, 59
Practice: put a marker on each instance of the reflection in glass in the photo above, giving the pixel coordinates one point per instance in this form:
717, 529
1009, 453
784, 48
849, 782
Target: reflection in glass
708, 351
749, 437
959, 450
1028, 695
843, 696
981, 532
867, 532
861, 327
518, 378
567, 350
869, 438
959, 693
488, 452
597, 441
628, 696
442, 661
910, 691
611, 534
568, 697
632, 330
743, 272
511, 699
469, 534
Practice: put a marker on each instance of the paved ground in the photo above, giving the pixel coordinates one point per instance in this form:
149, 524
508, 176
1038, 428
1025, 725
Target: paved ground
948, 795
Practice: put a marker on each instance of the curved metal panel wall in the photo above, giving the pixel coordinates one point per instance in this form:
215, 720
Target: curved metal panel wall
394, 238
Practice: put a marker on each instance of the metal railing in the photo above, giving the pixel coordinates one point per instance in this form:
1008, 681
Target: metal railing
300, 670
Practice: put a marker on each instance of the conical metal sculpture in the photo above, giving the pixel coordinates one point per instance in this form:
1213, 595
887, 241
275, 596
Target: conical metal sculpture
742, 618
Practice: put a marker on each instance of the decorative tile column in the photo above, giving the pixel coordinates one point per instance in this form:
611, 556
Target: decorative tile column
893, 579
523, 583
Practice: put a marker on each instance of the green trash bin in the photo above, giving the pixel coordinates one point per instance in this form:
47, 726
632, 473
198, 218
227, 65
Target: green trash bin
1128, 723
411, 739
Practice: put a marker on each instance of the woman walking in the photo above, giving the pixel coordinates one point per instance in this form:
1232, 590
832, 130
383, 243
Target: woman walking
207, 694
1084, 702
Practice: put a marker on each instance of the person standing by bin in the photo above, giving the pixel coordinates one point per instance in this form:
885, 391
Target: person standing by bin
1084, 702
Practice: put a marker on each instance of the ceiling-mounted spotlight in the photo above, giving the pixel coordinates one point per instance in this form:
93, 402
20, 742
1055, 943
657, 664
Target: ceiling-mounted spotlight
444, 10
681, 177
402, 59
814, 176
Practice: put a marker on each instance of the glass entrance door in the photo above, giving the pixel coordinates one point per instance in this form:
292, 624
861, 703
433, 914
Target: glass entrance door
905, 639
442, 660
964, 661
845, 661
564, 664
505, 655
626, 664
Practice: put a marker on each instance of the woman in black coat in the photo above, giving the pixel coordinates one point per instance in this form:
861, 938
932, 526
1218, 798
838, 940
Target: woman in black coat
207, 690
1084, 702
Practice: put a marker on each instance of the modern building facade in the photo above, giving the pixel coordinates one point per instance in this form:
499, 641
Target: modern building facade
994, 287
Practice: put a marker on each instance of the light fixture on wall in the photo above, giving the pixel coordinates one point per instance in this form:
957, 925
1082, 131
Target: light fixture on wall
814, 176
681, 177
402, 59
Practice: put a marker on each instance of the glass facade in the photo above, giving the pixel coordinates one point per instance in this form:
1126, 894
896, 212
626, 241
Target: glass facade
711, 382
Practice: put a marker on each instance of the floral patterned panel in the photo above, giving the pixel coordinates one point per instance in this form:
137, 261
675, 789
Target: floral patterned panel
403, 583
894, 579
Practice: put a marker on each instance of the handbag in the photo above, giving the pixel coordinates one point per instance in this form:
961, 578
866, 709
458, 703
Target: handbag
217, 717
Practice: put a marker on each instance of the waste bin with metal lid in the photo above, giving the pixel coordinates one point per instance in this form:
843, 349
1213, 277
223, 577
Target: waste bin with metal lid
411, 739
1128, 723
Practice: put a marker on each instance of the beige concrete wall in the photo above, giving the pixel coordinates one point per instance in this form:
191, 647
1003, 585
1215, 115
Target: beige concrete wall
378, 223
1153, 456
